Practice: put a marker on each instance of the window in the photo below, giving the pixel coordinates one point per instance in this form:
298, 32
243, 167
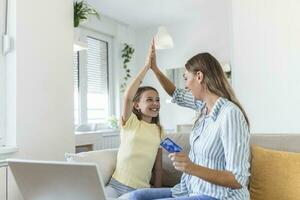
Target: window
2, 73
92, 82
97, 80
2, 100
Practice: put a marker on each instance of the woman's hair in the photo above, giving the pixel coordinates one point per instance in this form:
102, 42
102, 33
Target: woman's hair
136, 99
213, 77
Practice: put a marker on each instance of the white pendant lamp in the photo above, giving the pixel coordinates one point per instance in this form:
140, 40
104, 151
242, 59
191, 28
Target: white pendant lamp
163, 39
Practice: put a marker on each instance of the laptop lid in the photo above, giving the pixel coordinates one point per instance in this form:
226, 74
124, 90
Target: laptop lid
49, 180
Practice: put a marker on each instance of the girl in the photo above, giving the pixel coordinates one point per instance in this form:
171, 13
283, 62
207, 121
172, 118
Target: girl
140, 135
217, 166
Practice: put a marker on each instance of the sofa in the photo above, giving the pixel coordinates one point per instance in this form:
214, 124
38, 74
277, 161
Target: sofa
106, 159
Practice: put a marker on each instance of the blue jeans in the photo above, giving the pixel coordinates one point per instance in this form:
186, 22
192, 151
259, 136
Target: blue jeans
162, 194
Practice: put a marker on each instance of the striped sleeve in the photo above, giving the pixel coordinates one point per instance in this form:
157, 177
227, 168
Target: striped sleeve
185, 98
235, 138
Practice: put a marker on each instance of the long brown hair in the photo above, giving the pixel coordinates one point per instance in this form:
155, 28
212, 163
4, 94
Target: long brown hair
213, 77
136, 99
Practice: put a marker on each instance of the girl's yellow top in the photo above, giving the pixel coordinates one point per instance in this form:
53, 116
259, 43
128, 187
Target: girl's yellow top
137, 152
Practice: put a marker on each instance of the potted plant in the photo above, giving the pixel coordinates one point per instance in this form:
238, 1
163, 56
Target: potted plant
113, 122
127, 53
82, 10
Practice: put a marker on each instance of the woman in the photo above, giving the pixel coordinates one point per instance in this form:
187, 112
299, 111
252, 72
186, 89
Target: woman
217, 166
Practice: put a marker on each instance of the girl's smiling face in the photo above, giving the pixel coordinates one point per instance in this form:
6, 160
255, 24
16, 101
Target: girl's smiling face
149, 104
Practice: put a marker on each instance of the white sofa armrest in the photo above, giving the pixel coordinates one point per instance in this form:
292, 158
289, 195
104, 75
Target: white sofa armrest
105, 159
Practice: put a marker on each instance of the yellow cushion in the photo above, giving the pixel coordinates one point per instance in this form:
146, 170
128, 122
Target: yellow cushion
274, 175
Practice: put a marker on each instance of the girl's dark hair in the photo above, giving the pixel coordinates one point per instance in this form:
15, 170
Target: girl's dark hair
137, 97
213, 77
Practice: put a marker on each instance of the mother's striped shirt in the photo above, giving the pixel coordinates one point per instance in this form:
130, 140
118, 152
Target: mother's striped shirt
219, 140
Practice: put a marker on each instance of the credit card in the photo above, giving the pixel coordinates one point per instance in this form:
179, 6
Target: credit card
170, 145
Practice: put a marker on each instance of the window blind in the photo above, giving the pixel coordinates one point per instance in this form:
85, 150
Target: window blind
97, 80
97, 66
76, 87
76, 71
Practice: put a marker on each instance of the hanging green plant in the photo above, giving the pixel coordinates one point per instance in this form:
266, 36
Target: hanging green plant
82, 10
127, 53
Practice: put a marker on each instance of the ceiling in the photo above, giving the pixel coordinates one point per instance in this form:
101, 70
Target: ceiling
146, 13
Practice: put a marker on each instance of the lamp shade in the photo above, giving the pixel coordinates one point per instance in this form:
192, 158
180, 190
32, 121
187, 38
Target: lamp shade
163, 39
226, 67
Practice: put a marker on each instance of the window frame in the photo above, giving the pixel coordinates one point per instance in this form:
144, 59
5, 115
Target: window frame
82, 64
2, 101
2, 76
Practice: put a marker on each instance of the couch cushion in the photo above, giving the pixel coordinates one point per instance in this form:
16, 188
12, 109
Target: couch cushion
274, 174
281, 142
105, 159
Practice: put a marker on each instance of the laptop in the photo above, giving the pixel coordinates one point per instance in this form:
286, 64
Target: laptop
49, 180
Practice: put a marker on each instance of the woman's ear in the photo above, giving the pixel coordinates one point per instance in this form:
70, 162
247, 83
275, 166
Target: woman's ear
199, 76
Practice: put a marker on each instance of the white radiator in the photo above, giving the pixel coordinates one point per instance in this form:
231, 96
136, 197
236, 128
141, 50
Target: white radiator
108, 141
97, 141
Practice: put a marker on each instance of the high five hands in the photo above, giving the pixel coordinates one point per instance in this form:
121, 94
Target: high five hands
151, 58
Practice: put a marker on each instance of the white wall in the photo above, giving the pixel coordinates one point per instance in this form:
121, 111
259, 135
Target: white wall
266, 52
40, 85
208, 33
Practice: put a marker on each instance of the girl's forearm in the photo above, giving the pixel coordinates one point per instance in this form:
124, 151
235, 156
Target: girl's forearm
134, 85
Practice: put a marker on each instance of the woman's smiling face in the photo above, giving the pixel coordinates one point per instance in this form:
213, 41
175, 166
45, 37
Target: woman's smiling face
193, 83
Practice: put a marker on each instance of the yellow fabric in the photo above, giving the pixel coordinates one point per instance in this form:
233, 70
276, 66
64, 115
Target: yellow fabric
136, 156
274, 175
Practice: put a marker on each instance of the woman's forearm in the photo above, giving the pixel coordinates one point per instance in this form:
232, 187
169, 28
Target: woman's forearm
223, 178
168, 86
